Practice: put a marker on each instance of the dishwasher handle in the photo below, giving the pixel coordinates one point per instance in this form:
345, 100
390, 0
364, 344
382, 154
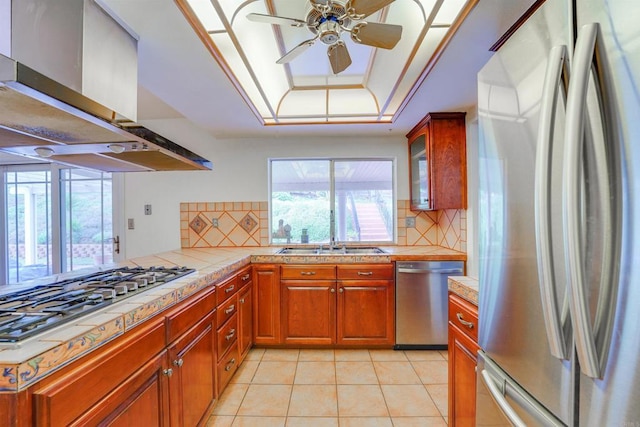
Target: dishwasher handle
429, 270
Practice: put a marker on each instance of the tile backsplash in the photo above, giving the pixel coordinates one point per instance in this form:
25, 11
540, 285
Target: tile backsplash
236, 224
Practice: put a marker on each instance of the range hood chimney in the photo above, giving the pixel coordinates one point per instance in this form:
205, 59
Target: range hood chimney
69, 85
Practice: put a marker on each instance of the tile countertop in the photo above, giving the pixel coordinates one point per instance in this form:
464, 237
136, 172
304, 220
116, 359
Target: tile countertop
24, 363
465, 287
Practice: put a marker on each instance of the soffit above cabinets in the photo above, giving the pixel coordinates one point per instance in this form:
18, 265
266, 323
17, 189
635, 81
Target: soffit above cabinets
373, 89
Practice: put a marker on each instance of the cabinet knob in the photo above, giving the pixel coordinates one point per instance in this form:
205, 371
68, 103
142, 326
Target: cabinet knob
241, 300
464, 322
230, 335
333, 291
178, 362
230, 365
341, 290
230, 309
168, 372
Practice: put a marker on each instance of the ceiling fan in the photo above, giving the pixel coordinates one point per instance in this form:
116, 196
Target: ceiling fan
327, 19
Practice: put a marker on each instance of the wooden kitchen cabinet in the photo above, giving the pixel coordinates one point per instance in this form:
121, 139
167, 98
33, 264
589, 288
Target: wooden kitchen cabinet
308, 312
266, 304
344, 305
438, 162
308, 304
463, 350
366, 305
245, 312
192, 384
127, 380
245, 320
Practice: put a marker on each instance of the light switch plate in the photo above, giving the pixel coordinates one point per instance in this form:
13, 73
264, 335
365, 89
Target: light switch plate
214, 222
130, 224
410, 222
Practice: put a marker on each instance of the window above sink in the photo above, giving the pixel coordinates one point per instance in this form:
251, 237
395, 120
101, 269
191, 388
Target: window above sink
332, 201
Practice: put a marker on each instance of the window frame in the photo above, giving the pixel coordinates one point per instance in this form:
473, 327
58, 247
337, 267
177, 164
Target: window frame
57, 262
332, 198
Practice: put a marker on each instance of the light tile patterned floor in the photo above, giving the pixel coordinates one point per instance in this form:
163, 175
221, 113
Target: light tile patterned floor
336, 388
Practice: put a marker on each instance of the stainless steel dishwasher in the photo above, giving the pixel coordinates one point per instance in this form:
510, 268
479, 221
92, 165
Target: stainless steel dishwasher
421, 303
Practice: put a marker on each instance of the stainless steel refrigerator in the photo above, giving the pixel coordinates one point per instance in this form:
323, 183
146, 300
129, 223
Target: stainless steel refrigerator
559, 303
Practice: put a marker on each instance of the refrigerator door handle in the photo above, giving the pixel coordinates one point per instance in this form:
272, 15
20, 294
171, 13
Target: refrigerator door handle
501, 401
557, 330
592, 343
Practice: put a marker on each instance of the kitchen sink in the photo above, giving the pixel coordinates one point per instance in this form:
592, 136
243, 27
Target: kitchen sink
321, 250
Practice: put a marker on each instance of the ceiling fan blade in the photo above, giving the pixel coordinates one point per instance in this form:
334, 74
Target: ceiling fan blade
374, 34
364, 8
296, 51
276, 20
338, 57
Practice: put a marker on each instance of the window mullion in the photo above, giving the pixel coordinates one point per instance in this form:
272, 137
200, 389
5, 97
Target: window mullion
56, 220
4, 278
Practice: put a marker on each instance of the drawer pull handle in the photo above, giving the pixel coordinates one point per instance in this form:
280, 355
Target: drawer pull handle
245, 277
308, 273
230, 364
230, 289
365, 273
464, 322
230, 334
230, 309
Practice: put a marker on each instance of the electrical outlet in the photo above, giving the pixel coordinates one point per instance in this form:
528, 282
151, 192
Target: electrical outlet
410, 222
214, 222
130, 224
147, 209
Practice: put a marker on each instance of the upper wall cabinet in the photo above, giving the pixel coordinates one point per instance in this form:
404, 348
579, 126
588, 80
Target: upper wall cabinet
438, 162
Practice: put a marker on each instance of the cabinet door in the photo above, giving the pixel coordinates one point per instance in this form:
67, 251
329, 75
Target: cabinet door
438, 162
366, 312
266, 307
192, 385
462, 378
308, 312
142, 396
245, 320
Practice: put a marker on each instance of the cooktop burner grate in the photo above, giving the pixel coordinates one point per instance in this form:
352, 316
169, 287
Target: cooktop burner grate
28, 312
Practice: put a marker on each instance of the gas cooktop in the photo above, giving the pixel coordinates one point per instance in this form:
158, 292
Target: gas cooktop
31, 311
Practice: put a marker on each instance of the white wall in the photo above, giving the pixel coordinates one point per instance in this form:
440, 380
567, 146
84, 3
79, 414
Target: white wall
239, 174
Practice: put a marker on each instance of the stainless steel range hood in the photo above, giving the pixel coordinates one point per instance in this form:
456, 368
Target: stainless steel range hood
39, 111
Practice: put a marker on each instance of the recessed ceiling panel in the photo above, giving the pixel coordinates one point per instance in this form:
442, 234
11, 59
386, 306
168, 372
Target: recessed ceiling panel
270, 49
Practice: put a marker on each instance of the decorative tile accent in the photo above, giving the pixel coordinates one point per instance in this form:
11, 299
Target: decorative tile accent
198, 224
237, 224
248, 223
446, 228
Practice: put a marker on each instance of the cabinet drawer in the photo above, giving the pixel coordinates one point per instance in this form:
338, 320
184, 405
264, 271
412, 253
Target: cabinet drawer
227, 367
310, 272
186, 315
366, 271
244, 277
227, 335
464, 315
227, 309
226, 289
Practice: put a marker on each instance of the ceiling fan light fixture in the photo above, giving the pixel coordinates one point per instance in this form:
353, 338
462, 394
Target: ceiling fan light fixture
44, 152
